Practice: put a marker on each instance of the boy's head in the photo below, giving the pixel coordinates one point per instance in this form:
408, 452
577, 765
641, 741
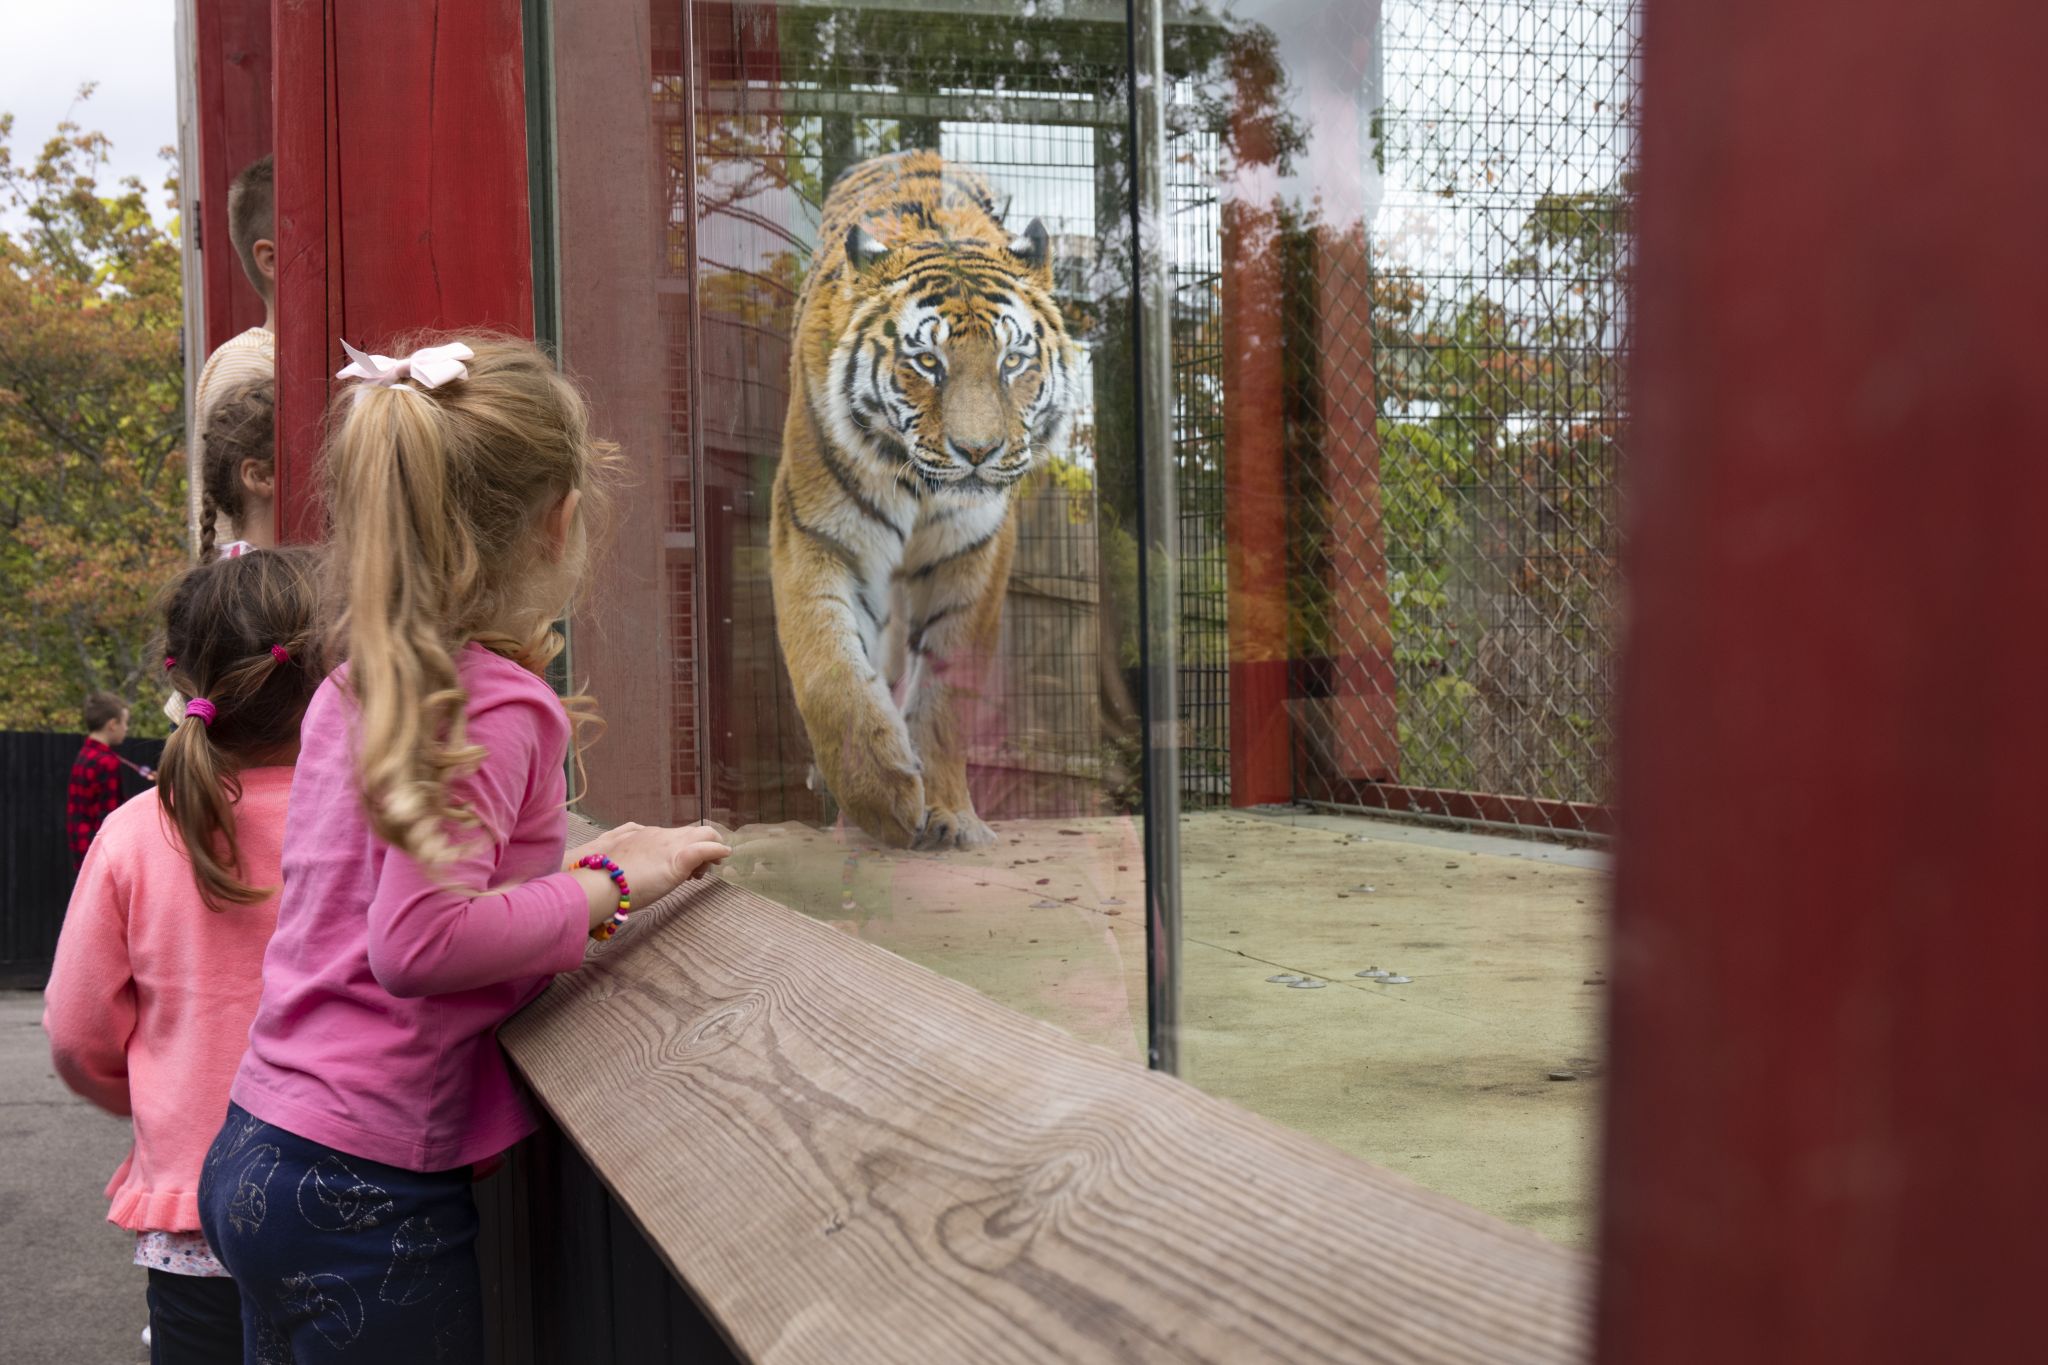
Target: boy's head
252, 223
106, 715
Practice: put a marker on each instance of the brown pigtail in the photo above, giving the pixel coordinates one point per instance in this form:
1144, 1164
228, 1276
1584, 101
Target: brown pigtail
198, 791
226, 623
209, 513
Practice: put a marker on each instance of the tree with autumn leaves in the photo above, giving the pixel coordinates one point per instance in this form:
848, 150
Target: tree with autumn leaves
92, 425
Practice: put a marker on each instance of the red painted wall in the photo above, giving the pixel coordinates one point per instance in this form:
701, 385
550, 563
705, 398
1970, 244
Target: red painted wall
1830, 1037
231, 48
402, 196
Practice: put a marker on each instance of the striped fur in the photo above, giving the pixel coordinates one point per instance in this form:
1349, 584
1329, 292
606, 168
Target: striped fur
931, 369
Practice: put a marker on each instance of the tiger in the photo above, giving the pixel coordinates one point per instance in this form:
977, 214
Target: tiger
930, 369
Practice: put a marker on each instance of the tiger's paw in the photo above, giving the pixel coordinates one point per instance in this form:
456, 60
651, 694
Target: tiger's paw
944, 829
886, 801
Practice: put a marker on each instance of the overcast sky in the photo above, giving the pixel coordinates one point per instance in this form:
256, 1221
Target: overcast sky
52, 47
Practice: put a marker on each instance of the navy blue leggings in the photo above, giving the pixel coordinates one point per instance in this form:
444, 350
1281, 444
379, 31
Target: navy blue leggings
340, 1259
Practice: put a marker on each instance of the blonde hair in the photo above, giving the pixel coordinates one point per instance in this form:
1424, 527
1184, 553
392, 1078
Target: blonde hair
436, 500
240, 633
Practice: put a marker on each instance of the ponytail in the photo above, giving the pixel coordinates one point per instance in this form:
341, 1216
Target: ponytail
412, 559
198, 787
438, 498
240, 640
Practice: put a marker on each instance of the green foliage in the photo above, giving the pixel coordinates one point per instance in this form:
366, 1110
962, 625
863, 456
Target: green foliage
1497, 441
92, 467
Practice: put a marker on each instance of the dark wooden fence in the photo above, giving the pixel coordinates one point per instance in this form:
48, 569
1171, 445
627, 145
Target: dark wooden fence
35, 857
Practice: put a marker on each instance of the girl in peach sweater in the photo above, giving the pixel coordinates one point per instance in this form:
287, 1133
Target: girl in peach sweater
159, 966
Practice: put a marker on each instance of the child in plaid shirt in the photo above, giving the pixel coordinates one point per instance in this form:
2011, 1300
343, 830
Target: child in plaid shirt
96, 773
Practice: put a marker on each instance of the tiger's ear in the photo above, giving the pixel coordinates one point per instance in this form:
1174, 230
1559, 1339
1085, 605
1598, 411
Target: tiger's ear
1034, 248
862, 251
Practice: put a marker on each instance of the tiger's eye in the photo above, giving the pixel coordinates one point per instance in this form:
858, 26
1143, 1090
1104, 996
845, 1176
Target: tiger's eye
1012, 363
926, 362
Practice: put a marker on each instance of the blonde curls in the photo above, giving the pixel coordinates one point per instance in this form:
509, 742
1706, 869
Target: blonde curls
437, 500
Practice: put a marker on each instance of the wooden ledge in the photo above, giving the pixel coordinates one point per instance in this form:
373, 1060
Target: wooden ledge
845, 1157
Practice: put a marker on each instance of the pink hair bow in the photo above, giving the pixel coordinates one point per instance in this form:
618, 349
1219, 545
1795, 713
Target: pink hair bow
430, 366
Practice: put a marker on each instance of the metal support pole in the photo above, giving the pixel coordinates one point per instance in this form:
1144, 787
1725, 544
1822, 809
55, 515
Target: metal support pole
1158, 529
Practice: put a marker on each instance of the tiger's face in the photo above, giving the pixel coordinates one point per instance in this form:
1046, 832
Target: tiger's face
958, 365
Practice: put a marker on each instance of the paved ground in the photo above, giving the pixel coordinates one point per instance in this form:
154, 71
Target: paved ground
67, 1293
1445, 1078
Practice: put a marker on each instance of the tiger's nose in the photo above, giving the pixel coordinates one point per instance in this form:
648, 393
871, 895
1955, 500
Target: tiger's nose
976, 453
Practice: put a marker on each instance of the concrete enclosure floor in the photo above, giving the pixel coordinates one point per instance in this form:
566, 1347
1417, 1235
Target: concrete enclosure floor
1447, 1078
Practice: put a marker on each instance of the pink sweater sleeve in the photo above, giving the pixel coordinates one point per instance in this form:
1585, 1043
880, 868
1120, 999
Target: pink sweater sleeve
430, 935
89, 1004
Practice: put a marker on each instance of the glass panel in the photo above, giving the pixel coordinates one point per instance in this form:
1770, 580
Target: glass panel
819, 691
1401, 240
1336, 463
885, 539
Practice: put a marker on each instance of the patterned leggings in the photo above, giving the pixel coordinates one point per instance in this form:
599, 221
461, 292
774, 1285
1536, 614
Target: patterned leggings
340, 1259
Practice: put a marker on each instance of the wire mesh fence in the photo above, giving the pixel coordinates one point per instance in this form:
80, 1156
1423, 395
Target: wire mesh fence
1195, 220
1503, 143
1449, 279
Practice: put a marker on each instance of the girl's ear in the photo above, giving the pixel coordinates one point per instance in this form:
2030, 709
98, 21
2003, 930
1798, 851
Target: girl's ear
259, 477
560, 520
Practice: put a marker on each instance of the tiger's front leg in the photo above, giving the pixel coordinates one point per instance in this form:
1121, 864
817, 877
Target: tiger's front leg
952, 635
829, 633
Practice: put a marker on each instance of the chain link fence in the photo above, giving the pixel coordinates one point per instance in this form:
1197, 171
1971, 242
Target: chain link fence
1491, 353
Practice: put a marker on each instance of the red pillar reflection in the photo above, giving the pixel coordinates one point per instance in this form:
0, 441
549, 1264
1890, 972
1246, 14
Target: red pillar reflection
1299, 369
1255, 451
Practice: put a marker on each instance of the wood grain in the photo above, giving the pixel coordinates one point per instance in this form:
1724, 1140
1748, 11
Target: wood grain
308, 243
236, 122
848, 1158
401, 196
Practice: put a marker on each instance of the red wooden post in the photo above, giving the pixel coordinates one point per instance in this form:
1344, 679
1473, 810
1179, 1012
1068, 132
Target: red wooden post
1829, 1078
401, 140
308, 296
231, 50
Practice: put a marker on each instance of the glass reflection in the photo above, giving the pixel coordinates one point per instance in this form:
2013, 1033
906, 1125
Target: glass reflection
1345, 431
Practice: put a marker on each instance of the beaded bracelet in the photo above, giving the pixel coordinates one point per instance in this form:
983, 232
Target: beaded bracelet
597, 862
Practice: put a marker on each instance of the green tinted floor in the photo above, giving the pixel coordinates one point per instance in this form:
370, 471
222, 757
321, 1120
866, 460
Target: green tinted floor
1446, 1078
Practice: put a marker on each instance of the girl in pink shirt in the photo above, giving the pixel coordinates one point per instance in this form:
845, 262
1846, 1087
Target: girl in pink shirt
424, 893
159, 965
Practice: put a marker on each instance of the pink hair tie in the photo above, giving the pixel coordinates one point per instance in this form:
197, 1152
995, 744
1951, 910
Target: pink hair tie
169, 663
281, 654
203, 709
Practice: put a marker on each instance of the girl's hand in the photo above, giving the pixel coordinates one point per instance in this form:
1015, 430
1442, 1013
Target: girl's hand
655, 862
